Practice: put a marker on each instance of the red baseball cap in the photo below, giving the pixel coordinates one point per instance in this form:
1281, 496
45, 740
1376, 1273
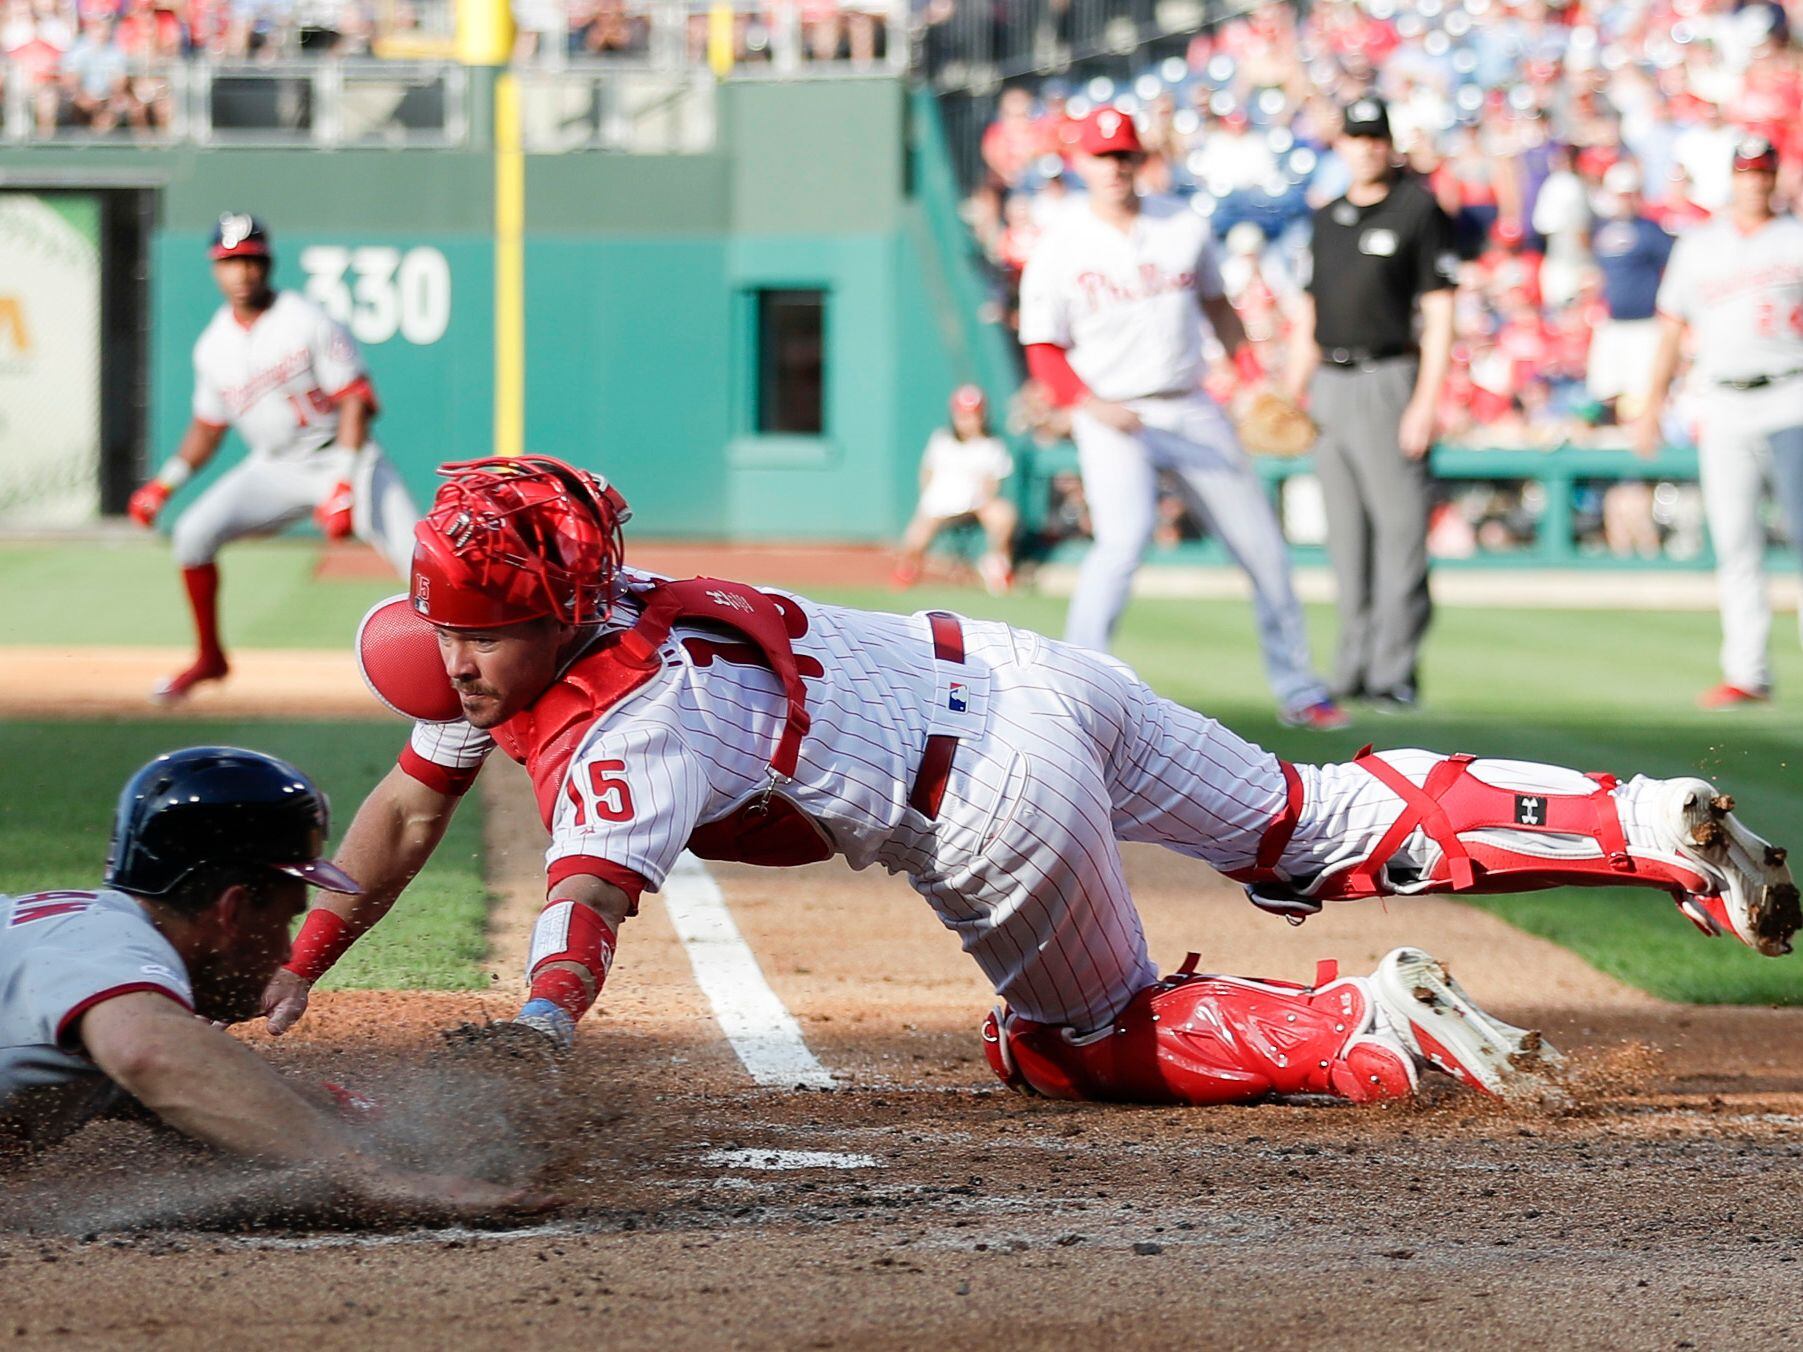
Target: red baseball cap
968, 397
1109, 131
1755, 152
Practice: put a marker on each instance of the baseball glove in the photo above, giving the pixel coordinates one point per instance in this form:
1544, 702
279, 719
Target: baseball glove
1269, 424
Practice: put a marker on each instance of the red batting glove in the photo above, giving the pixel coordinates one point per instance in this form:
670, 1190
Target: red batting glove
147, 502
334, 514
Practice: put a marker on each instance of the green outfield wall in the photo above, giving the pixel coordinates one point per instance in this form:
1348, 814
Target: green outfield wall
639, 299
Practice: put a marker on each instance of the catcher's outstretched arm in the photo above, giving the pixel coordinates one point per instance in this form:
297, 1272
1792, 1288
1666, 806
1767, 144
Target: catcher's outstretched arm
389, 841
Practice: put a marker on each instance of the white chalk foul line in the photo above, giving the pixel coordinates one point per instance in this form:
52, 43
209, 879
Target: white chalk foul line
789, 1159
763, 1033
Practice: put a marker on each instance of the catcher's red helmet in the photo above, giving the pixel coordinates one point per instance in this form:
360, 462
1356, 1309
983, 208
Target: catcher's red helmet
511, 539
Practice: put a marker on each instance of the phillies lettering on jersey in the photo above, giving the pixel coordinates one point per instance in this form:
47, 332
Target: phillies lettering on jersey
279, 381
1742, 295
1124, 302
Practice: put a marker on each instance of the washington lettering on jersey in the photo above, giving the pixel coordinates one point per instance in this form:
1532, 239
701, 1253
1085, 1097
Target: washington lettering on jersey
281, 380
1742, 295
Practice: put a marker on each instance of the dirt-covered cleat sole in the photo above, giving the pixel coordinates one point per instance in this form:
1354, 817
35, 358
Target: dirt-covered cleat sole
1755, 896
1445, 1028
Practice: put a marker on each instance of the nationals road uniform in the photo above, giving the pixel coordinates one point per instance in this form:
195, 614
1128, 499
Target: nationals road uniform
280, 383
1742, 297
1124, 303
62, 953
1059, 752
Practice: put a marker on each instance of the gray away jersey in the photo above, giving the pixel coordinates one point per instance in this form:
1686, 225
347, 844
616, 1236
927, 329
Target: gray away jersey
61, 953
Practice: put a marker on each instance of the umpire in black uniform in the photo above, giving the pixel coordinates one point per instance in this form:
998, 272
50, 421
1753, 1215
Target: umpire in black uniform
1371, 378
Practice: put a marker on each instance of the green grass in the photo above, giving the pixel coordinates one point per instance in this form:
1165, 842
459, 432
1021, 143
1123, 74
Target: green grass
129, 592
1590, 689
62, 779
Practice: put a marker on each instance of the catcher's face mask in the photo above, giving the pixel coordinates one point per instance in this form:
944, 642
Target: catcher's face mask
511, 540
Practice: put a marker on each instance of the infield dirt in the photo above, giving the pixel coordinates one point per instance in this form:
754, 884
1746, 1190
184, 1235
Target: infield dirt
917, 1205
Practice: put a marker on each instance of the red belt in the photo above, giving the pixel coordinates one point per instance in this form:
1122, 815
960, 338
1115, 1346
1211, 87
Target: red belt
936, 760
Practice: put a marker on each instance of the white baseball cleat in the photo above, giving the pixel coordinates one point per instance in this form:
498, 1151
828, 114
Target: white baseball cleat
1444, 1027
1753, 895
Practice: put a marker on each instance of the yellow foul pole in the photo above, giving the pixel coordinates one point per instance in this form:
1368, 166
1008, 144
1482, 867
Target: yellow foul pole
510, 271
485, 38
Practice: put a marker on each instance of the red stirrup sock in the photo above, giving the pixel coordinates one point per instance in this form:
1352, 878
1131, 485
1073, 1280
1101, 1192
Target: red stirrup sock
202, 583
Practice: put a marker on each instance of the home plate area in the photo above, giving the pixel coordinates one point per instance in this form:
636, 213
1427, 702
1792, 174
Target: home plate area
890, 1193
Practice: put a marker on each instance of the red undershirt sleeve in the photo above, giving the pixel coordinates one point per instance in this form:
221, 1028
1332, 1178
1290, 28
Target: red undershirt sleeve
1050, 365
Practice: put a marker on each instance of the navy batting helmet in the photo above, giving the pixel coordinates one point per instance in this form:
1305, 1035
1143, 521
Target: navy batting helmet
219, 806
238, 234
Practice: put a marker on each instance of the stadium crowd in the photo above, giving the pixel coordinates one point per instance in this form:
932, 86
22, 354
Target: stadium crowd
1569, 145
105, 64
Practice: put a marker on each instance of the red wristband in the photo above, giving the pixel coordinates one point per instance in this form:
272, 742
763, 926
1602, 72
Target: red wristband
1246, 362
323, 938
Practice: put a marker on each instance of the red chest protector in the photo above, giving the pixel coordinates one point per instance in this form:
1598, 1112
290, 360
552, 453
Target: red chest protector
543, 736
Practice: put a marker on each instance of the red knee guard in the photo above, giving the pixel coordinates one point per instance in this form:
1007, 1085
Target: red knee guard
1201, 1040
1453, 805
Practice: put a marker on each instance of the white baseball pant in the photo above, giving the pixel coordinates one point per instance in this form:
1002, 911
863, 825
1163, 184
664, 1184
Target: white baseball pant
1191, 436
266, 493
1077, 754
1744, 439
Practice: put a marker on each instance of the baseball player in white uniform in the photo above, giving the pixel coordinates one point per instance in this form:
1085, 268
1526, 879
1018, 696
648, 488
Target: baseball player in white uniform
997, 770
1112, 311
276, 367
1735, 285
115, 994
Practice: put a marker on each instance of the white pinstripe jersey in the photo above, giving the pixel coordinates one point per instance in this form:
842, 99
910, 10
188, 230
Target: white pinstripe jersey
1125, 302
693, 745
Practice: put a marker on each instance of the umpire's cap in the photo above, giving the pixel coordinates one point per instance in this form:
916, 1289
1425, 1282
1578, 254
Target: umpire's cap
219, 805
238, 234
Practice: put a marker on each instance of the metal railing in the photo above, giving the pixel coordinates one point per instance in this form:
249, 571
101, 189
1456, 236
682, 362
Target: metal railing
642, 112
324, 103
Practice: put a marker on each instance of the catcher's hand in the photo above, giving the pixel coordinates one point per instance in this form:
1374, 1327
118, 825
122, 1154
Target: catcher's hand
1269, 424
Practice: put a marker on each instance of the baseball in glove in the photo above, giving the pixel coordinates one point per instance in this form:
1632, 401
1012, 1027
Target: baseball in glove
1269, 424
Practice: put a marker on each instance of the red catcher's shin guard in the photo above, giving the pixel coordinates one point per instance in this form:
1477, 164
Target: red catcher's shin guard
1498, 839
1203, 1040
202, 584
567, 932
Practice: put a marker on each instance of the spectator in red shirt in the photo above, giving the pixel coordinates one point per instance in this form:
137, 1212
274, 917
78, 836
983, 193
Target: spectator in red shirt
1015, 139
